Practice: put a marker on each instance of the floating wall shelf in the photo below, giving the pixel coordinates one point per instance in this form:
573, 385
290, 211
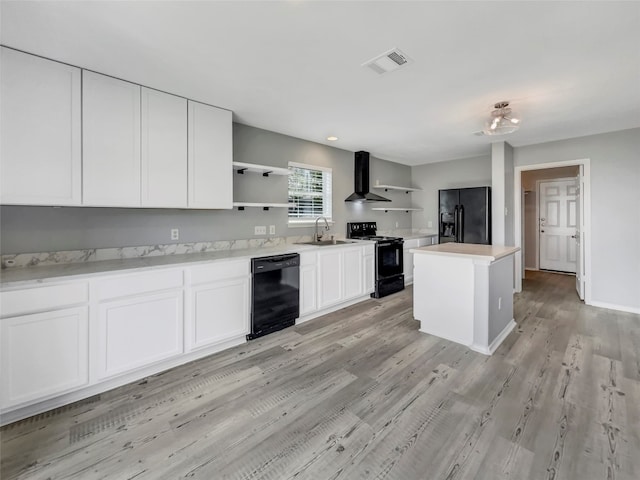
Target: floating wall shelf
396, 187
265, 170
264, 206
397, 209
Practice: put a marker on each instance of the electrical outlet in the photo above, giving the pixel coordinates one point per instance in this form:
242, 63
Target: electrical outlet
259, 230
396, 224
429, 224
272, 229
175, 234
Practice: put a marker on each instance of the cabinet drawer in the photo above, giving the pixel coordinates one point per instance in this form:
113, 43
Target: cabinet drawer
219, 271
134, 284
16, 302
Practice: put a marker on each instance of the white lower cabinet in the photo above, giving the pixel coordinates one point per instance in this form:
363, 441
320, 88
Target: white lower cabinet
219, 304
220, 312
341, 275
60, 341
43, 355
308, 284
352, 271
138, 331
369, 271
330, 277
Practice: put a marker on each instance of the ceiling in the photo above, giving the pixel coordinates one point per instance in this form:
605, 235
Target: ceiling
569, 68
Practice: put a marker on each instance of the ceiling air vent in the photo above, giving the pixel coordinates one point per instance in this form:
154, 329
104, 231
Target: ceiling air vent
388, 61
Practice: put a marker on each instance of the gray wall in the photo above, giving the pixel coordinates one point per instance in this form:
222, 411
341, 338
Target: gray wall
467, 172
615, 208
42, 229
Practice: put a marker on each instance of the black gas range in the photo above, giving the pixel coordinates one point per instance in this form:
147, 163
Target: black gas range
389, 257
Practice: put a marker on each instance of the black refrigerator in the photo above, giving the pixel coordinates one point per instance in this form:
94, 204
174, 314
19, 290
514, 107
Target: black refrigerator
465, 215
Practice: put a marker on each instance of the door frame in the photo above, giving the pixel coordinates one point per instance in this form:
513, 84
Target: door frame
538, 182
585, 196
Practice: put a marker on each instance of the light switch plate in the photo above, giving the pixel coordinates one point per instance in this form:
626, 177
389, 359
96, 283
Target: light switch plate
260, 230
272, 229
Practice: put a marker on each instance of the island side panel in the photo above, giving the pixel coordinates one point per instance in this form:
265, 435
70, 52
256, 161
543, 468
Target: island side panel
500, 287
482, 295
443, 296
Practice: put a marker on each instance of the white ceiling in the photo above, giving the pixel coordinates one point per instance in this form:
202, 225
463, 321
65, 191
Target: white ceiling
569, 68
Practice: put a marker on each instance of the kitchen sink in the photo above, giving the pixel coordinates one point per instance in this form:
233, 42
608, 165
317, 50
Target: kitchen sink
323, 243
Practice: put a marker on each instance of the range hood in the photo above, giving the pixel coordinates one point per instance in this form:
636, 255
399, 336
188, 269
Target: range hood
361, 179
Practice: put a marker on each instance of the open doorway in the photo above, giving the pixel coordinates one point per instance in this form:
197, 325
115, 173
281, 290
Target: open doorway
552, 219
549, 219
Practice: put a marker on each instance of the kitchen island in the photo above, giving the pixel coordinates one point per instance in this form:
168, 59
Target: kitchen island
464, 293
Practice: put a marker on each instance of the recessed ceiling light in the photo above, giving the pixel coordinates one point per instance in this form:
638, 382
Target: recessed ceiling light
332, 138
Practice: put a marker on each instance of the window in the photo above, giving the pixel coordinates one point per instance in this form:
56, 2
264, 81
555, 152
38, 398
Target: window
309, 192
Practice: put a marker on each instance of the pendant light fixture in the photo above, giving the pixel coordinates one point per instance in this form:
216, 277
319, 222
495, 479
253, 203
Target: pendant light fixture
502, 121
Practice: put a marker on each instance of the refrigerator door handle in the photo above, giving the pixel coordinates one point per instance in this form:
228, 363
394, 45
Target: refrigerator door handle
461, 224
455, 223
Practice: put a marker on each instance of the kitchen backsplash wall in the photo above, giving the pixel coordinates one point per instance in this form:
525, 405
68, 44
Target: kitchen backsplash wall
49, 229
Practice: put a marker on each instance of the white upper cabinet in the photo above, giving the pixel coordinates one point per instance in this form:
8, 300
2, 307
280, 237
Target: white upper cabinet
40, 119
164, 150
210, 157
111, 142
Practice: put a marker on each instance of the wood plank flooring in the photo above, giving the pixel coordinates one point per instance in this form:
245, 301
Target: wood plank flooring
361, 394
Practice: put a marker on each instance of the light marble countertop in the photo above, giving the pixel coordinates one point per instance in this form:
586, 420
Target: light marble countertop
20, 277
471, 250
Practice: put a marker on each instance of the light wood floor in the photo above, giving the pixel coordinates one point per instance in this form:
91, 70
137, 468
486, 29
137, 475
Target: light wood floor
361, 394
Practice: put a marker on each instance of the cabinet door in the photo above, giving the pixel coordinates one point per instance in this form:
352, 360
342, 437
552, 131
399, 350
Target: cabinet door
210, 157
43, 354
111, 142
369, 271
220, 311
164, 150
136, 332
308, 289
408, 265
40, 121
330, 278
352, 270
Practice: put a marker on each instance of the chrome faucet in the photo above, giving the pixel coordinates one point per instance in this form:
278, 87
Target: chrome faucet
318, 236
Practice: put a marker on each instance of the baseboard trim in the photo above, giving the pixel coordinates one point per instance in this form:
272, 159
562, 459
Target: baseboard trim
496, 341
531, 269
613, 306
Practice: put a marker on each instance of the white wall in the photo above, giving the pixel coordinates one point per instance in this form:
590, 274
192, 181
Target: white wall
466, 172
615, 209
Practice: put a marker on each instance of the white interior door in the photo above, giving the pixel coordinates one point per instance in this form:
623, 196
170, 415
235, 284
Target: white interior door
558, 224
579, 235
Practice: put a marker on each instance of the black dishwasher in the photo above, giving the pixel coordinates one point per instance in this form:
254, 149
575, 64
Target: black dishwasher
275, 293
